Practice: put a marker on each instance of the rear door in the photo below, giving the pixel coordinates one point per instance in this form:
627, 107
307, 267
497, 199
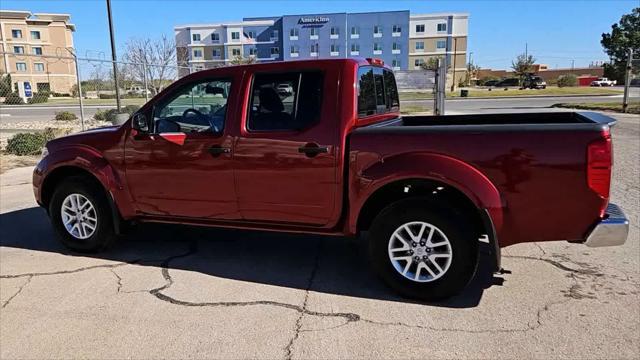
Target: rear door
285, 158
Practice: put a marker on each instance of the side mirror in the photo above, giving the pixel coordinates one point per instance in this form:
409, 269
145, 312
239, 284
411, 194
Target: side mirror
140, 123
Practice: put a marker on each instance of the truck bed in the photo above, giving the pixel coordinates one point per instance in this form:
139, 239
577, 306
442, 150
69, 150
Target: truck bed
536, 161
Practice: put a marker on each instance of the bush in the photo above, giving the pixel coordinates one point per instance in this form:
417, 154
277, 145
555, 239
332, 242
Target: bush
110, 114
65, 116
57, 94
50, 133
74, 91
567, 80
13, 99
40, 97
26, 144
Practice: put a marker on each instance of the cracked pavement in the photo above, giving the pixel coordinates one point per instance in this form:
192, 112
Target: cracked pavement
178, 292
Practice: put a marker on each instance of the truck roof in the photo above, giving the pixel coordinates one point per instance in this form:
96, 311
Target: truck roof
284, 65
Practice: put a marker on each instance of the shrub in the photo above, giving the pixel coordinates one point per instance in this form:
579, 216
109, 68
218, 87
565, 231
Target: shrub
65, 116
39, 97
50, 133
26, 144
110, 114
13, 99
567, 80
74, 91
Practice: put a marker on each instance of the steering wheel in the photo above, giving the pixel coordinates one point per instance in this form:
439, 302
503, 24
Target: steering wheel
201, 116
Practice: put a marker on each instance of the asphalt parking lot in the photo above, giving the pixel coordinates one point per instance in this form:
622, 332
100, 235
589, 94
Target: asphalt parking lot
177, 292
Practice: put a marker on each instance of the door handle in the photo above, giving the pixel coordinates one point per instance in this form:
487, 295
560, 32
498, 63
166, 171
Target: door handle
217, 150
313, 149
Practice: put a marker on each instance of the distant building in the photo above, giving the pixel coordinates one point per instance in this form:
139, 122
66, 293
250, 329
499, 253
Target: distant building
402, 40
23, 33
545, 72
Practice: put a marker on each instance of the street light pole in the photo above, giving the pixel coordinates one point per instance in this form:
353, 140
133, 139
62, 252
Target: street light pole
469, 69
627, 80
113, 55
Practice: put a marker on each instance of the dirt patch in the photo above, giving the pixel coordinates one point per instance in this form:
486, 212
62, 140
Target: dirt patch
10, 161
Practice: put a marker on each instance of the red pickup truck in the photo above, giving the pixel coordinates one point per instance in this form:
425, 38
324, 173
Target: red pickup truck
320, 147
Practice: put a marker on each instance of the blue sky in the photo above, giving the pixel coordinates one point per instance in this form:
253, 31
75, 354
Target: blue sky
557, 32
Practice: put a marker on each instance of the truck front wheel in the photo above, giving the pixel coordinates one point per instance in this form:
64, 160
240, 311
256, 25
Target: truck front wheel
423, 252
81, 215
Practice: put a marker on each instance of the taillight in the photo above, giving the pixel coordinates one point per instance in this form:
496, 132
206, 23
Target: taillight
599, 163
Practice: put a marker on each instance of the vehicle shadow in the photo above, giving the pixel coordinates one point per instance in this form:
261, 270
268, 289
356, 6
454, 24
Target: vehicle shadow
341, 265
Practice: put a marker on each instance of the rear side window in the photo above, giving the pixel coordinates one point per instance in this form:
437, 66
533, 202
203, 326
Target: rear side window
377, 91
285, 101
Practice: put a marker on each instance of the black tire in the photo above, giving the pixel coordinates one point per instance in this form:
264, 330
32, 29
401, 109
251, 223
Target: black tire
463, 240
103, 235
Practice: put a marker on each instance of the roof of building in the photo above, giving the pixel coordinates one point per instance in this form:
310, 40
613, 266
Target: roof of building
37, 18
228, 24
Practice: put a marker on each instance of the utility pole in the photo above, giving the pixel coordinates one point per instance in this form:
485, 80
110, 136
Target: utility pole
526, 52
469, 68
455, 49
113, 56
627, 80
572, 63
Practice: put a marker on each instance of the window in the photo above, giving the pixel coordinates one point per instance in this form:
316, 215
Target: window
335, 48
197, 53
395, 63
235, 52
235, 35
36, 50
35, 35
294, 50
441, 44
275, 51
274, 35
314, 48
442, 27
355, 47
195, 37
377, 47
18, 49
215, 37
395, 46
313, 33
420, 45
355, 30
420, 28
251, 34
335, 32
377, 91
418, 62
38, 67
253, 51
215, 53
377, 30
285, 101
294, 32
397, 29
196, 108
21, 66
16, 34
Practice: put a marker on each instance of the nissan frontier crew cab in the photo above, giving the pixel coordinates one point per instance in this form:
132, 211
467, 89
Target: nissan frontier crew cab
331, 155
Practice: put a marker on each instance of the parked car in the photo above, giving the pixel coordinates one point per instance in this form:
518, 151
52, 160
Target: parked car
635, 82
508, 82
338, 159
603, 82
285, 89
534, 82
491, 82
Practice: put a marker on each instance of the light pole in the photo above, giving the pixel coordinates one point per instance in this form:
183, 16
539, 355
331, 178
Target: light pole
470, 69
113, 55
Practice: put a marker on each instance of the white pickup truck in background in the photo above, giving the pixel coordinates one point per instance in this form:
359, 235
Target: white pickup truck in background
603, 82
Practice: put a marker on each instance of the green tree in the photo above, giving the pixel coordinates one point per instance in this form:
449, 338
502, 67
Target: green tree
239, 60
5, 85
523, 64
624, 35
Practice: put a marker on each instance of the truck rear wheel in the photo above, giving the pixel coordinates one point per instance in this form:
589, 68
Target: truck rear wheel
423, 252
81, 216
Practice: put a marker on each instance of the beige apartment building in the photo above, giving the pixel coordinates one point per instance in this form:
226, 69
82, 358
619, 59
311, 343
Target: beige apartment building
438, 36
26, 41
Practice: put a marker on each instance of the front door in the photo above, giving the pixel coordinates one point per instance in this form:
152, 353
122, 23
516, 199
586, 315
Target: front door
284, 157
184, 167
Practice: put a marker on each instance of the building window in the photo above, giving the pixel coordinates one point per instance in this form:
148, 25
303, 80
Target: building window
215, 53
397, 30
420, 46
18, 49
294, 51
215, 37
35, 35
418, 62
251, 34
355, 30
314, 49
313, 34
16, 34
395, 63
253, 51
441, 44
335, 50
377, 48
355, 49
38, 67
195, 37
420, 28
442, 27
275, 51
377, 31
36, 50
21, 66
274, 35
235, 52
293, 33
197, 53
335, 32
235, 35
395, 48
